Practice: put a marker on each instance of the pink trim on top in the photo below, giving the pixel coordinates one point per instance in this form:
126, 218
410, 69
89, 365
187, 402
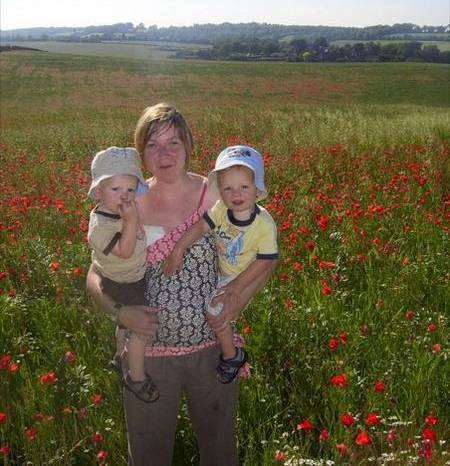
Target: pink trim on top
161, 248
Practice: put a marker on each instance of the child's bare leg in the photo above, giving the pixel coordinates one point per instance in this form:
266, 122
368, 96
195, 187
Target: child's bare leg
120, 341
226, 340
136, 350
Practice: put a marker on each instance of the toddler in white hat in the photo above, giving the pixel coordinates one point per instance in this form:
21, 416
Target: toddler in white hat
119, 252
246, 237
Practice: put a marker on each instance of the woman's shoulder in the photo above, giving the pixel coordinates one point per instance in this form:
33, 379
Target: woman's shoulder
209, 195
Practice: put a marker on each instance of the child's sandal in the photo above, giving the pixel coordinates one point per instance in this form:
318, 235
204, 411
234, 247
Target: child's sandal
146, 390
228, 369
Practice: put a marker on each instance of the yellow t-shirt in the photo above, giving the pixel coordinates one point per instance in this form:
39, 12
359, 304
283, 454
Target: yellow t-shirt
104, 232
239, 243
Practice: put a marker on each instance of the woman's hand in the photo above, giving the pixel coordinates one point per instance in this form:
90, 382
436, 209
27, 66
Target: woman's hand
172, 262
232, 306
139, 319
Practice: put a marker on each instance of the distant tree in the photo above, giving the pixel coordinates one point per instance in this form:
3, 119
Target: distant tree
306, 56
408, 50
430, 53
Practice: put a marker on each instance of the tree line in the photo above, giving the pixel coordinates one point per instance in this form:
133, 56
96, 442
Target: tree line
319, 50
211, 33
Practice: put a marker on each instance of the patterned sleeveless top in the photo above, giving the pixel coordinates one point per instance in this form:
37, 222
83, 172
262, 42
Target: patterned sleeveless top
183, 297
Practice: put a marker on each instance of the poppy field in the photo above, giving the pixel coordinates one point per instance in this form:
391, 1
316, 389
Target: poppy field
349, 341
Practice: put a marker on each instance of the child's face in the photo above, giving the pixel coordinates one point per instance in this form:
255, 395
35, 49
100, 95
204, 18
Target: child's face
113, 191
237, 190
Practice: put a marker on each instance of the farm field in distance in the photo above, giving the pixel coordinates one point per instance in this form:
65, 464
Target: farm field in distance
442, 45
348, 343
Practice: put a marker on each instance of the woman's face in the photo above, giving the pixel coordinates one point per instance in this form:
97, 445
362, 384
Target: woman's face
165, 154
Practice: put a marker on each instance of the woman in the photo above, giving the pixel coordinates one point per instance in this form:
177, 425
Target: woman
184, 355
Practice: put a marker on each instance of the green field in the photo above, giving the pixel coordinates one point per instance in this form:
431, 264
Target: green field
132, 49
355, 321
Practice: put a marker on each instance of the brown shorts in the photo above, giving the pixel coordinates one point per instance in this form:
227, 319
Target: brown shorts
125, 293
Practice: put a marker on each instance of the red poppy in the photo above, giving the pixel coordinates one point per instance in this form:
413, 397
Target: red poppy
339, 381
436, 348
48, 379
70, 357
326, 290
97, 399
31, 434
363, 438
333, 344
431, 420
342, 449
432, 328
279, 457
5, 450
324, 435
347, 419
390, 436
429, 434
13, 368
409, 315
379, 386
55, 266
101, 456
343, 337
372, 419
305, 426
3, 418
97, 438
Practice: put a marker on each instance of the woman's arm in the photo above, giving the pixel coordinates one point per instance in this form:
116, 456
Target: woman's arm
241, 292
136, 318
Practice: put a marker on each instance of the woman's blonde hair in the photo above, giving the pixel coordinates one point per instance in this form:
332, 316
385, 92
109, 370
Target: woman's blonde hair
157, 118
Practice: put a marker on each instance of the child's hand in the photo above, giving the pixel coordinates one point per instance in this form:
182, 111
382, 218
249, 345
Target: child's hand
128, 211
172, 263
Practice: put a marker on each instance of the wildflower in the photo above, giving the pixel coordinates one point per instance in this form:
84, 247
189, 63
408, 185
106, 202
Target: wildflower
279, 457
326, 265
4, 361
379, 386
347, 420
70, 357
342, 449
77, 271
3, 418
12, 293
390, 436
82, 413
55, 266
339, 381
326, 290
409, 315
306, 426
101, 456
324, 435
31, 434
343, 337
97, 438
298, 267
97, 399
372, 419
322, 222
13, 368
426, 451
48, 379
244, 371
431, 420
310, 245
363, 438
436, 348
5, 450
429, 434
333, 344
432, 328
67, 410
247, 330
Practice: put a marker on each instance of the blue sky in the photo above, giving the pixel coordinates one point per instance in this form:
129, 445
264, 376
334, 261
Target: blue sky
32, 13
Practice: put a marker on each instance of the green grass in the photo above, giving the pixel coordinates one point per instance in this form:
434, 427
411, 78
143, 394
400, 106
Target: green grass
364, 146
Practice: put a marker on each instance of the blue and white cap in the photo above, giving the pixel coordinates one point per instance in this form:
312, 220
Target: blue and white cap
241, 155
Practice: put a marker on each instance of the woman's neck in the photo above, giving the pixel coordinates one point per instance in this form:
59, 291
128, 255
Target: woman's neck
169, 188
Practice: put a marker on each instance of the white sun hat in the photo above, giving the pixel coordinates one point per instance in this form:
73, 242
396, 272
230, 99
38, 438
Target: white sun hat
241, 155
116, 161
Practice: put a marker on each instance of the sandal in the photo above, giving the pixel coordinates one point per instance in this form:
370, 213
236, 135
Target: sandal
228, 369
145, 390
